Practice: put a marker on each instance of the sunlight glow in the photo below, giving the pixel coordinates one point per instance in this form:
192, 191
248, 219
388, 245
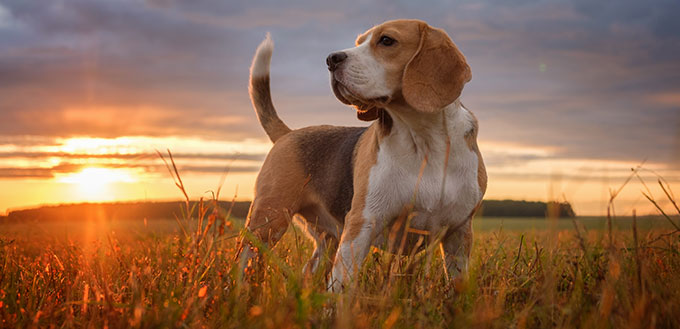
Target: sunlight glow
94, 183
90, 169
88, 145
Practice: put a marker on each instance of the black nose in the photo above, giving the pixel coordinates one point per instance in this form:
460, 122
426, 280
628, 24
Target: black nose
334, 59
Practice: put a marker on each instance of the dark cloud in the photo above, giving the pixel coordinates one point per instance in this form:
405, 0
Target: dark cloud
580, 178
132, 156
19, 173
218, 169
70, 168
38, 172
590, 79
21, 141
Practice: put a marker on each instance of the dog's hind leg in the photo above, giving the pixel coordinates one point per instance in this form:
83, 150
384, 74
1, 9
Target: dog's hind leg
321, 227
279, 192
266, 224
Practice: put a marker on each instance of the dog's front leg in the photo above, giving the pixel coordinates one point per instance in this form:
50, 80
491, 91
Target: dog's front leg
354, 245
455, 250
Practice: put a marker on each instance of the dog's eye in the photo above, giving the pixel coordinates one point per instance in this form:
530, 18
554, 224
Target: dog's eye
386, 41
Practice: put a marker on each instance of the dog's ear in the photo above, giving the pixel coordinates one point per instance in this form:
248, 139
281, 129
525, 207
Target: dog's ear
437, 72
370, 114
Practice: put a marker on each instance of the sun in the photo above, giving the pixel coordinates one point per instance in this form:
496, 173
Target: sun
95, 183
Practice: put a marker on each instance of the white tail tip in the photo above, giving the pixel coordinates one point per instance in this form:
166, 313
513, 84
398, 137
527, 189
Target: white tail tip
263, 57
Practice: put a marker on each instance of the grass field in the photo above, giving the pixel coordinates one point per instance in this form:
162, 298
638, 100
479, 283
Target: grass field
524, 273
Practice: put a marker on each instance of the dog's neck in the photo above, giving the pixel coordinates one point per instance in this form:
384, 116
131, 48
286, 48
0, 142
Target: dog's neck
428, 132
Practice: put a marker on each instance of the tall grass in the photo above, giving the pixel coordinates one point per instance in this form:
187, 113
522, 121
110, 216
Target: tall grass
552, 278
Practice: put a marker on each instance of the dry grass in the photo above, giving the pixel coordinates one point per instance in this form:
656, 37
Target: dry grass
103, 277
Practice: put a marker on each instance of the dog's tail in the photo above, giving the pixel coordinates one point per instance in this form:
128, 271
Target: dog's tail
260, 93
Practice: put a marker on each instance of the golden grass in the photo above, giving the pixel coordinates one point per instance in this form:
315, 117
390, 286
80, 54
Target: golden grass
107, 275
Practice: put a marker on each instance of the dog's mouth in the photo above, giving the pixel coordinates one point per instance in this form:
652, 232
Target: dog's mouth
347, 96
340, 91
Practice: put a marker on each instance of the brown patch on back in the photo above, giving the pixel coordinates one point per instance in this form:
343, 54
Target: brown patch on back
327, 156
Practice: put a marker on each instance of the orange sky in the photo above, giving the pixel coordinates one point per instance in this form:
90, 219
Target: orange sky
127, 168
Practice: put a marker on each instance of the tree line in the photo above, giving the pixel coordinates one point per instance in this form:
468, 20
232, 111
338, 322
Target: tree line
166, 210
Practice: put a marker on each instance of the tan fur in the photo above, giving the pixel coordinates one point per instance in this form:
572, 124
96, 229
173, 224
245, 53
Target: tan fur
425, 64
467, 230
395, 58
266, 113
366, 158
424, 73
481, 172
436, 74
467, 238
280, 189
260, 92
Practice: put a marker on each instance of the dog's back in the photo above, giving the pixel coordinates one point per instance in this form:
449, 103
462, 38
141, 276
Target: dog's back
331, 179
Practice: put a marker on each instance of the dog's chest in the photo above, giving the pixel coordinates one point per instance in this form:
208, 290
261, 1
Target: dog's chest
440, 197
413, 170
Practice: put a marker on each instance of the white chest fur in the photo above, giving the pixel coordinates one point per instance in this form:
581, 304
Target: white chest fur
446, 192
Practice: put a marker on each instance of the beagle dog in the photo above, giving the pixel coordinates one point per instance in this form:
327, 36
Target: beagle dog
414, 174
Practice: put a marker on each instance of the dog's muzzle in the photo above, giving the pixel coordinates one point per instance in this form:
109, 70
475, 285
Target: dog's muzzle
335, 59
343, 93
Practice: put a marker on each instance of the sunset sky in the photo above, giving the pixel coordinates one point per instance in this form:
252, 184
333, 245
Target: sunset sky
570, 95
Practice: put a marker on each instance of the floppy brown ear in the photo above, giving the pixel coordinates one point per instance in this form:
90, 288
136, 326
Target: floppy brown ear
369, 115
437, 72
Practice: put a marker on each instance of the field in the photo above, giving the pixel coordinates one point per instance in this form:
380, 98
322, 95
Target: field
524, 273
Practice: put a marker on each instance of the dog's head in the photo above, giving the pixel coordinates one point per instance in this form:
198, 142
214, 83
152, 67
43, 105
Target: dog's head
399, 61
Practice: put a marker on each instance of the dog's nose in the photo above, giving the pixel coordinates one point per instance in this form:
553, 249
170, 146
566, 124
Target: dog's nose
334, 59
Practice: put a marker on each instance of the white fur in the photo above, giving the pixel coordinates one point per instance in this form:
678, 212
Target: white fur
362, 74
262, 58
443, 196
393, 179
396, 174
350, 255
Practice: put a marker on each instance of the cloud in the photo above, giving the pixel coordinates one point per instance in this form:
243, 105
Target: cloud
132, 156
21, 163
574, 178
38, 172
670, 100
22, 173
264, 17
71, 168
108, 122
6, 19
